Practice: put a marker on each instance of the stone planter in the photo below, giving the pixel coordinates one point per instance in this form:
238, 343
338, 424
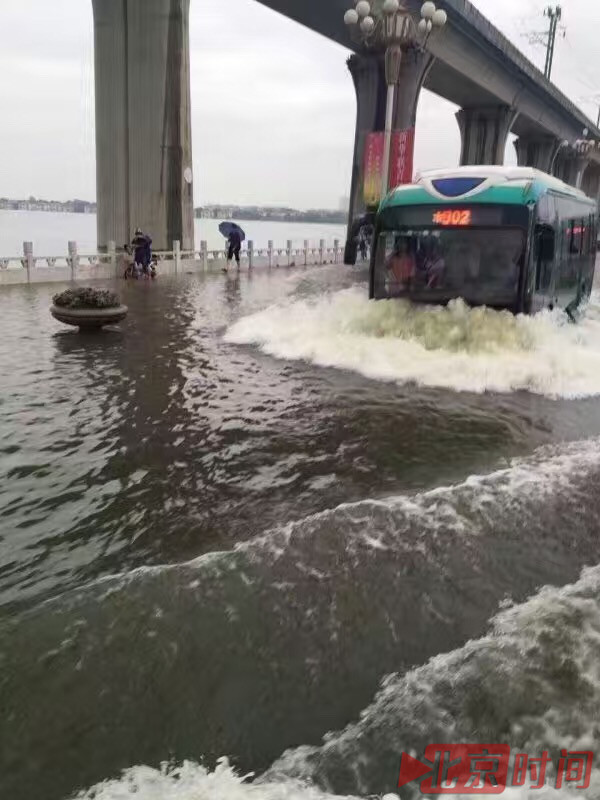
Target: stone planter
89, 319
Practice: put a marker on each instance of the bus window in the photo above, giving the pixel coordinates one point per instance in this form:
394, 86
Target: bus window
543, 257
576, 234
571, 255
395, 264
546, 210
432, 264
589, 239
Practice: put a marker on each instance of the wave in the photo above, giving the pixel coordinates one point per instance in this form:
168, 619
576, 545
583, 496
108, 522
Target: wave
267, 646
533, 682
454, 347
193, 782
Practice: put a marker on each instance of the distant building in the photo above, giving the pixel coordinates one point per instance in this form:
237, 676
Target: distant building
271, 214
33, 204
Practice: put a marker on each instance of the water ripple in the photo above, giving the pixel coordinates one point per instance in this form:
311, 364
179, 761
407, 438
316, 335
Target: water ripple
160, 441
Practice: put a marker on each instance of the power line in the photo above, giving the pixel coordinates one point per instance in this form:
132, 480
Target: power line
535, 9
595, 99
578, 70
591, 82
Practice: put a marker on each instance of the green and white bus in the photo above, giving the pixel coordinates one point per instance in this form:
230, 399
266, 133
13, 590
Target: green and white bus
508, 238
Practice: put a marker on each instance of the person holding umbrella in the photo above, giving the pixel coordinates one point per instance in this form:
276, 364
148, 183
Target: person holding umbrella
235, 236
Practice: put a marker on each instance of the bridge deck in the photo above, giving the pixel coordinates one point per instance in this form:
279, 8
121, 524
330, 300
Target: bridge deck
477, 65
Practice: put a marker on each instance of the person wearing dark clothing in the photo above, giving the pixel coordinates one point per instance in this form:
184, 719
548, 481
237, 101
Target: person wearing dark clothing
363, 245
142, 248
234, 246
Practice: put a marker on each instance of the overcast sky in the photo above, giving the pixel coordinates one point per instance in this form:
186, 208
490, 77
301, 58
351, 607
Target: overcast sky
288, 137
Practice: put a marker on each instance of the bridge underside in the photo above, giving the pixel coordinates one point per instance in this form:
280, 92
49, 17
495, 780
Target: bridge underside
476, 66
497, 90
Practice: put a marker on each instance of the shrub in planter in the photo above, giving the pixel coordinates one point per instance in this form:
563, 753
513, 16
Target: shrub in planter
87, 308
86, 297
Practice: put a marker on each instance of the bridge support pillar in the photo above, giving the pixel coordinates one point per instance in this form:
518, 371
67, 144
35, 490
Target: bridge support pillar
368, 74
539, 153
484, 132
413, 70
590, 183
571, 169
577, 171
143, 121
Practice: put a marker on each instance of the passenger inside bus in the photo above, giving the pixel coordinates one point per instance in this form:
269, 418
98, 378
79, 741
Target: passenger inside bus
462, 264
434, 263
482, 264
401, 264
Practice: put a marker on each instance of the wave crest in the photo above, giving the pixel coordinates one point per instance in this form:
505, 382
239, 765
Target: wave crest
453, 347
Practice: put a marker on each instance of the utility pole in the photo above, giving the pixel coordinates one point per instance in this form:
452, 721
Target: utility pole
555, 16
548, 38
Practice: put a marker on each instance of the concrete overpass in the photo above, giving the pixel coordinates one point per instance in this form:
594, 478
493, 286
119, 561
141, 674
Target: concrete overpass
143, 123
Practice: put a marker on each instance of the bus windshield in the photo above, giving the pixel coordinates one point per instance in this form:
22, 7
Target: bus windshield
481, 265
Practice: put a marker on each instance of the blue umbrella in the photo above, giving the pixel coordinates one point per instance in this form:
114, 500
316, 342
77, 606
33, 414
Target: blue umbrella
227, 228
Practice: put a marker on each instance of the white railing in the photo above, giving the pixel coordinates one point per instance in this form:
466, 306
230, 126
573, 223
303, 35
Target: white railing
31, 268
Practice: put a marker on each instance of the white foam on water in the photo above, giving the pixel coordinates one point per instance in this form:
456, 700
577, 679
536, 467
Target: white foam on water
193, 782
452, 347
378, 524
515, 492
533, 682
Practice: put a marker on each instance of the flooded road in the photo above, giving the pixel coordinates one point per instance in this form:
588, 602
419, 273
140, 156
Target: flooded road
223, 524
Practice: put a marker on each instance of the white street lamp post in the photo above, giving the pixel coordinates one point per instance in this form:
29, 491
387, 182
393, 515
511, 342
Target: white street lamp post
387, 24
562, 146
393, 62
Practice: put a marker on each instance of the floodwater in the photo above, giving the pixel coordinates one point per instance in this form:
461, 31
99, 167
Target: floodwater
50, 233
226, 522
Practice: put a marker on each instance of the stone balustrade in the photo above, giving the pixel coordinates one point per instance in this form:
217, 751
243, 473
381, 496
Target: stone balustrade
75, 266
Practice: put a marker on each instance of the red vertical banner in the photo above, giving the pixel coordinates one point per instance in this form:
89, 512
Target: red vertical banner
401, 159
373, 168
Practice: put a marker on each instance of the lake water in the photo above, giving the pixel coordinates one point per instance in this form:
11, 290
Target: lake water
225, 522
51, 232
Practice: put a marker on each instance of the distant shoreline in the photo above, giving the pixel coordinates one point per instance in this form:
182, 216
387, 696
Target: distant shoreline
289, 220
312, 216
300, 220
48, 206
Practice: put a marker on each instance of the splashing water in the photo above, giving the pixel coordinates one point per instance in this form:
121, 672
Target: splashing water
453, 347
193, 782
533, 682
